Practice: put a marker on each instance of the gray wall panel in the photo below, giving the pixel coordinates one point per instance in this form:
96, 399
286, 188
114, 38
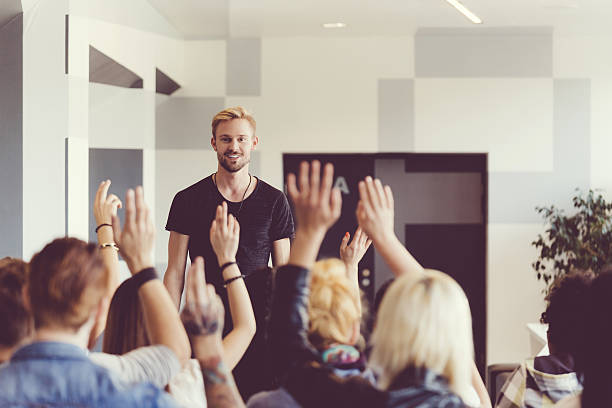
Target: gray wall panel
11, 138
184, 123
9, 9
243, 75
514, 196
395, 115
122, 166
496, 52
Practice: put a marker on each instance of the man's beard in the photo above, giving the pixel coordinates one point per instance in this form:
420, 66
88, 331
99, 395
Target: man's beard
230, 167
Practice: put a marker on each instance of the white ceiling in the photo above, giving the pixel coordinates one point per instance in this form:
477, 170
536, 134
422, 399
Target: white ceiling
239, 18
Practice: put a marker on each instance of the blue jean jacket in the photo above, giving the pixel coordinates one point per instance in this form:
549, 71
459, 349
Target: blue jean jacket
50, 374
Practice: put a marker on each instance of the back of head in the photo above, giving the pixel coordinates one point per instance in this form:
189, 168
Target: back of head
236, 112
333, 307
125, 325
15, 320
595, 356
565, 312
424, 323
66, 283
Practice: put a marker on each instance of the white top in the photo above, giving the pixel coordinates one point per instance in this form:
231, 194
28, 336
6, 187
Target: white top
573, 401
187, 387
156, 364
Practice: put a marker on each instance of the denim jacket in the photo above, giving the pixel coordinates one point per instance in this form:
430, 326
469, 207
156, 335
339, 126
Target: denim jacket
50, 374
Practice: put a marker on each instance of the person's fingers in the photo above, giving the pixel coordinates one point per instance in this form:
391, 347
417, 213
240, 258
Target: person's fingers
389, 195
189, 288
357, 236
141, 213
336, 203
344, 242
292, 187
130, 209
101, 192
328, 181
372, 194
315, 180
199, 282
364, 202
230, 223
116, 225
368, 243
104, 190
380, 193
224, 217
213, 228
303, 179
236, 228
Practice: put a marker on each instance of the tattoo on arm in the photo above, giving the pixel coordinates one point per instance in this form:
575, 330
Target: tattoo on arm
219, 385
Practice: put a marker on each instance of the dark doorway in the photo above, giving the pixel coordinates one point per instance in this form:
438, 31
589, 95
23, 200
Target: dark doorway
441, 216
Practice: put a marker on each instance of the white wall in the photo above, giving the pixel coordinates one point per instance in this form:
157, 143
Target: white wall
317, 95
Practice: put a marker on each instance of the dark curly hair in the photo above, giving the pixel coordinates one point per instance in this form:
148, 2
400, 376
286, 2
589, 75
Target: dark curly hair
567, 302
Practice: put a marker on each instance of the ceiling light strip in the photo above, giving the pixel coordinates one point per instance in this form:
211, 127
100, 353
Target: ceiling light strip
465, 11
334, 25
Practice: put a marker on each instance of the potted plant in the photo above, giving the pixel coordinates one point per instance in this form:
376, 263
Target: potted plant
582, 241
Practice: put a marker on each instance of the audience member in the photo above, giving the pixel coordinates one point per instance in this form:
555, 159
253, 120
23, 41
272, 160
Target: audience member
128, 323
203, 318
66, 293
422, 342
594, 359
15, 321
545, 380
334, 309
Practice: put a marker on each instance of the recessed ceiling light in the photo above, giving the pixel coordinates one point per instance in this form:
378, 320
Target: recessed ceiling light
465, 11
334, 25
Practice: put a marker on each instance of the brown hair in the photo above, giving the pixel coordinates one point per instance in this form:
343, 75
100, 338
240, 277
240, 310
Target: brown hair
15, 320
237, 112
67, 281
125, 325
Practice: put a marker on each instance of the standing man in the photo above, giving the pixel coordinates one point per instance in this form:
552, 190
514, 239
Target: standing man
266, 225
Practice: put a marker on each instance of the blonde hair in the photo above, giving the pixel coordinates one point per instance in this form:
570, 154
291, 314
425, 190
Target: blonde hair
424, 323
333, 308
236, 112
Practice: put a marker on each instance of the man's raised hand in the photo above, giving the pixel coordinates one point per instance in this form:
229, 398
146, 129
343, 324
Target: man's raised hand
225, 235
375, 209
137, 238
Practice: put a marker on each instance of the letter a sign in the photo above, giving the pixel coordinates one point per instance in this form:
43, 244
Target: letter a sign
342, 185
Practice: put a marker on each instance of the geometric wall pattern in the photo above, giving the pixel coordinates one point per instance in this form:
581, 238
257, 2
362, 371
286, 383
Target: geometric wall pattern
124, 167
11, 135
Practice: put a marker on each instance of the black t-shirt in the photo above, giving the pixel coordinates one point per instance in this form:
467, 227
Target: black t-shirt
265, 217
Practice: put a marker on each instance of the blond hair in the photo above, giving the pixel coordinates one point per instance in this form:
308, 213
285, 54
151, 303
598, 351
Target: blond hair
333, 308
424, 323
236, 112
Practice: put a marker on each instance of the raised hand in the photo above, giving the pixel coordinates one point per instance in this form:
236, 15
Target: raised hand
105, 205
137, 238
203, 312
352, 253
375, 209
224, 235
317, 205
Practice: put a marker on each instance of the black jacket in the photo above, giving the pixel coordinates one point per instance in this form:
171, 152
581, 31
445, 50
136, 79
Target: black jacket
298, 367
